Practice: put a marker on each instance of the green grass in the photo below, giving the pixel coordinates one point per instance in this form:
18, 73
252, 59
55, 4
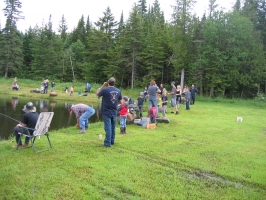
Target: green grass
202, 154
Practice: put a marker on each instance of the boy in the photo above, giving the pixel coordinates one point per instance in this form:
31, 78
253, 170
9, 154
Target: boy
123, 111
187, 96
140, 102
71, 90
164, 104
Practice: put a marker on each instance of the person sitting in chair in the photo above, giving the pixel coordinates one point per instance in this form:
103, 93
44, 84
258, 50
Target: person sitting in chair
29, 119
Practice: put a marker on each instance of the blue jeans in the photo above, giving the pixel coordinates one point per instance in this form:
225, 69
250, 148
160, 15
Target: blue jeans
123, 121
84, 118
187, 105
109, 127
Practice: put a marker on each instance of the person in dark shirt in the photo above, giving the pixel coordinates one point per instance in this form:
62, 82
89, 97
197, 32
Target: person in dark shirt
29, 119
111, 96
193, 92
140, 102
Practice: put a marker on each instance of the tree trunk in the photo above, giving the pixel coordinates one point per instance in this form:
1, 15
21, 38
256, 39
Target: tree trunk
258, 88
72, 68
132, 71
182, 78
212, 92
6, 71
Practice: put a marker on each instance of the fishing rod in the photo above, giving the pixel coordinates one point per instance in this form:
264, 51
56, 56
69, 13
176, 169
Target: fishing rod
10, 118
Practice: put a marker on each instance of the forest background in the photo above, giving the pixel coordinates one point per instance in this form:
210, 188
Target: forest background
223, 53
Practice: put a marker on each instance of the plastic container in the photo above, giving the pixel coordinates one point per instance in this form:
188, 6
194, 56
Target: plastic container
145, 121
239, 119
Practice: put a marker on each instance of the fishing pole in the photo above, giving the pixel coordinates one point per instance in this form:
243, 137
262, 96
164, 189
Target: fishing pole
10, 118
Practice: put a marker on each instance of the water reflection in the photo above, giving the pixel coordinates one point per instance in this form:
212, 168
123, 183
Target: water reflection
12, 107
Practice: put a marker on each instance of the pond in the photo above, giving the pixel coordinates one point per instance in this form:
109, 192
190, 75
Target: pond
12, 107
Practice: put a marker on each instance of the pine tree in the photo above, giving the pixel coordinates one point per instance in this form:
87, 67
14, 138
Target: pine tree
63, 28
11, 57
181, 36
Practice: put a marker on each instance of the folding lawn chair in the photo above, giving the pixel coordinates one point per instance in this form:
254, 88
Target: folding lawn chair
41, 128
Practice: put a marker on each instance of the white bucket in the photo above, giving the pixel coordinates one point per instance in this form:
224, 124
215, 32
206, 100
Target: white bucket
239, 119
145, 121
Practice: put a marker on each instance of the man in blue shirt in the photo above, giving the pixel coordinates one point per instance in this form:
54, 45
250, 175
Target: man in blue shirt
193, 92
110, 97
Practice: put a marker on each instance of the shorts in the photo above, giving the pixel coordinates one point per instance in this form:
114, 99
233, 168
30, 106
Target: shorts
173, 102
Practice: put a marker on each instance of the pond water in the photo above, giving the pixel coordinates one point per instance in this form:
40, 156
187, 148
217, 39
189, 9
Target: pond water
12, 107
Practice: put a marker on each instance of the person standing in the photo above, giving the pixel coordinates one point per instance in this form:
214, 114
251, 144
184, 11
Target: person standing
123, 112
193, 92
164, 103
188, 97
71, 90
173, 99
161, 88
29, 119
111, 96
83, 113
88, 87
178, 97
140, 102
52, 88
152, 92
46, 86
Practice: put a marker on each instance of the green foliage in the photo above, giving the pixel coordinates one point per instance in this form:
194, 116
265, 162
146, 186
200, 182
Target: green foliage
223, 53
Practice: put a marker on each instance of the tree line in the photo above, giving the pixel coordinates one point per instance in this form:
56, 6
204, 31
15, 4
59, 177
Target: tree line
222, 53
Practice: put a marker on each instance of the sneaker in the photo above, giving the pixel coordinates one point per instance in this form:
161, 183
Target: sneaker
25, 145
172, 112
81, 132
176, 112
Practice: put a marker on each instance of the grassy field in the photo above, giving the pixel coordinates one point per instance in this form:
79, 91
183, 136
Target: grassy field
203, 153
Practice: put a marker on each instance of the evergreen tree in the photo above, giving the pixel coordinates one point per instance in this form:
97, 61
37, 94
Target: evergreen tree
63, 28
143, 7
181, 36
11, 57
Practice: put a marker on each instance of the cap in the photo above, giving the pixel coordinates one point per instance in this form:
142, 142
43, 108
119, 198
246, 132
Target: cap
125, 98
141, 93
70, 106
172, 82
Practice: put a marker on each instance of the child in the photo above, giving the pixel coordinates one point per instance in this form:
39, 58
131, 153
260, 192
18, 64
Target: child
159, 100
145, 93
71, 90
123, 111
52, 88
187, 96
164, 102
140, 102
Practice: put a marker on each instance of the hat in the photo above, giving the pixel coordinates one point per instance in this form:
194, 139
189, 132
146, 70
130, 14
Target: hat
125, 98
141, 93
172, 82
29, 107
70, 106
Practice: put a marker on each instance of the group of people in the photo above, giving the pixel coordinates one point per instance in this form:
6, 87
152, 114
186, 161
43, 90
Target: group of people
112, 103
157, 97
